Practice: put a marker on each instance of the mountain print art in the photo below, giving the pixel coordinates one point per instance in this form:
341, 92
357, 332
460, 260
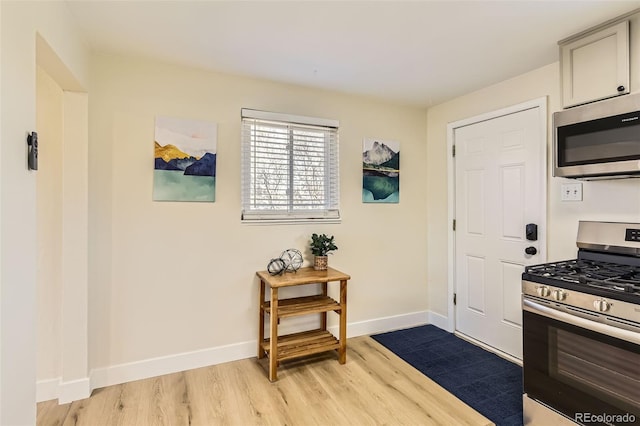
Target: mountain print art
185, 160
380, 171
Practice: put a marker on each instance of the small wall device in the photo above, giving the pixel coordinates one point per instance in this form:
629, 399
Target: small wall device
32, 155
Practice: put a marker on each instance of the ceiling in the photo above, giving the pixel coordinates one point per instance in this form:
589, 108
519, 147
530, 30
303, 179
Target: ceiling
416, 52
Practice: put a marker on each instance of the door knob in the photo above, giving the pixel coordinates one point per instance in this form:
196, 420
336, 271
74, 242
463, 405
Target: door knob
531, 250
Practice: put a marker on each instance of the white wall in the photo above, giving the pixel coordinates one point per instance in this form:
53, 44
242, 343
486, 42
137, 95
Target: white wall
62, 238
172, 279
49, 124
615, 200
20, 23
172, 284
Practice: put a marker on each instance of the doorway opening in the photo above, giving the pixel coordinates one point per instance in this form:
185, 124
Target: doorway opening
497, 191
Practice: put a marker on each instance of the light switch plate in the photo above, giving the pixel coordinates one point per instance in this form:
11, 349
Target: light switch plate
571, 191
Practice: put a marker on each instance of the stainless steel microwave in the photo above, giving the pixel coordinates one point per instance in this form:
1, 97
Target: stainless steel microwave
600, 140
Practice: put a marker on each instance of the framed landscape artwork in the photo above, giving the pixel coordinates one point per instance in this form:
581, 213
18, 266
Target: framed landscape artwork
380, 171
185, 160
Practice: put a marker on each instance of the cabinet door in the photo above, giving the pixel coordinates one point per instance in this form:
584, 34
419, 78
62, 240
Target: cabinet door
596, 66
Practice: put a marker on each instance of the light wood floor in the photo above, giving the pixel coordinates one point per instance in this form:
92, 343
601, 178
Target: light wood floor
374, 387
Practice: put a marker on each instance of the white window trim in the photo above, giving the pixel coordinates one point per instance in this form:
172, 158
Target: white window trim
298, 119
274, 218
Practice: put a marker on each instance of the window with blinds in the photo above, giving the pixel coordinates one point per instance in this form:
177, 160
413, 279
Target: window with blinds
289, 167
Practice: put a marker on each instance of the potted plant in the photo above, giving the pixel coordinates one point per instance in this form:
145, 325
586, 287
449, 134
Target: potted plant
321, 246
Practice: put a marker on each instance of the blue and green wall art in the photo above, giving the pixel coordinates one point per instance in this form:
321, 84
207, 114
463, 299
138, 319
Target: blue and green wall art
380, 171
185, 160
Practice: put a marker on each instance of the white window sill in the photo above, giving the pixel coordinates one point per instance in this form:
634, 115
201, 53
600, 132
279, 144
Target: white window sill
282, 221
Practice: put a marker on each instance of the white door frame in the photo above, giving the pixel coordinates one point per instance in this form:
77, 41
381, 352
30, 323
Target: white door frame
540, 103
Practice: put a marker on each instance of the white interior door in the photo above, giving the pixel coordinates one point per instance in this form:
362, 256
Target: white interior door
500, 174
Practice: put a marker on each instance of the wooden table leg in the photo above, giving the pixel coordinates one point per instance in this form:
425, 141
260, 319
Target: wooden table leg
323, 315
342, 352
273, 338
261, 322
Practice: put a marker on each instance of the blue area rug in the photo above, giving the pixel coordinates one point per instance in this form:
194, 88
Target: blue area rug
483, 380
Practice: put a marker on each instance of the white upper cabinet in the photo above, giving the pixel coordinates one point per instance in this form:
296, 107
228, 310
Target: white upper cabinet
595, 66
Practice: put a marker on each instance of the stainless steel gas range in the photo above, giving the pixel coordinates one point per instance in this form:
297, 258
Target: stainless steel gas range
581, 331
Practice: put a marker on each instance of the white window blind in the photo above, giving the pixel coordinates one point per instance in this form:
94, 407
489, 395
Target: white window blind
289, 167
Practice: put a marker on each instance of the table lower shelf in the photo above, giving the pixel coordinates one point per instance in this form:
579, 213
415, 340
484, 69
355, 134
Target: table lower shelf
302, 344
303, 306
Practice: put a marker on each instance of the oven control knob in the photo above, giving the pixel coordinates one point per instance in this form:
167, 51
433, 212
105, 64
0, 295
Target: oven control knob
601, 305
559, 295
543, 291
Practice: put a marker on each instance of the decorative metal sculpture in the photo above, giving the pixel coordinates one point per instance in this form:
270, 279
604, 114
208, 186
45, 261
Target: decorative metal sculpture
292, 259
289, 261
276, 266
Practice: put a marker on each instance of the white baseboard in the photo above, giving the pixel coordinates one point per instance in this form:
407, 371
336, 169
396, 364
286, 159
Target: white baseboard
152, 367
382, 325
47, 390
440, 321
74, 390
122, 373
64, 392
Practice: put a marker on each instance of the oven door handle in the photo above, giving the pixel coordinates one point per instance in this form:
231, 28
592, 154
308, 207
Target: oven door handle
608, 330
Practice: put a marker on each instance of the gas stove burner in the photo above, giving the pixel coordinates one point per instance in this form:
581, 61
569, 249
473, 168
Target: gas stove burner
613, 277
607, 266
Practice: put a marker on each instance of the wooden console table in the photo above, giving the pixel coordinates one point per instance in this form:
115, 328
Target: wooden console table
279, 348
